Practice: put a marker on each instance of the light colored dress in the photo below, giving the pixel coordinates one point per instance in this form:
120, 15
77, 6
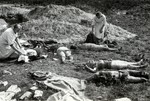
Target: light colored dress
6, 39
99, 26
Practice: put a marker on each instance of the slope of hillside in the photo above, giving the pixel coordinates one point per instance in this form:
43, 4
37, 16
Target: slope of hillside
47, 27
68, 23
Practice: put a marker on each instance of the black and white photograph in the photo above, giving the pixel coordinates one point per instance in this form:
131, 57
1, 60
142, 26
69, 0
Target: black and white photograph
74, 50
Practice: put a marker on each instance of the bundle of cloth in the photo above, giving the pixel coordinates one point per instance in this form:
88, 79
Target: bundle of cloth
69, 89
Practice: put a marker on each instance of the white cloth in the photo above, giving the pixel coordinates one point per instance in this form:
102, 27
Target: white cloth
31, 52
123, 99
98, 26
6, 39
10, 93
70, 89
23, 58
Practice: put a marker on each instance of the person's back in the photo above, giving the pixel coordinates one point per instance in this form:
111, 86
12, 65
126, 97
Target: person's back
6, 39
3, 28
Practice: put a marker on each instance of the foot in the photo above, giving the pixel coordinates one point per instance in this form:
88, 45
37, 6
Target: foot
145, 75
144, 66
73, 47
120, 48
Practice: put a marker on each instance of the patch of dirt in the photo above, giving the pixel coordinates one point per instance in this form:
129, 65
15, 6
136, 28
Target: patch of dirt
46, 28
13, 15
64, 32
66, 24
142, 11
60, 13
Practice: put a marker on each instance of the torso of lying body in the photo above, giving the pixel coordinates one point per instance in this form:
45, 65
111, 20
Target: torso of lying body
111, 74
112, 64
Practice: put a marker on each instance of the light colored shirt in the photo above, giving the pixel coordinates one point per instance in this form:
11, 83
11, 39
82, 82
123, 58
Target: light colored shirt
3, 28
6, 39
98, 24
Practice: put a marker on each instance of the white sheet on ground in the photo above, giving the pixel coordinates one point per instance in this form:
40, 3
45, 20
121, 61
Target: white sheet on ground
70, 89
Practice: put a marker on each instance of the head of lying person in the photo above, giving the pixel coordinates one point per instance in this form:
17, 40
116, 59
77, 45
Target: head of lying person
32, 54
91, 64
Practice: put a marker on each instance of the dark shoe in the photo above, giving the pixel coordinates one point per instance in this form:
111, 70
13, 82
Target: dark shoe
145, 75
73, 47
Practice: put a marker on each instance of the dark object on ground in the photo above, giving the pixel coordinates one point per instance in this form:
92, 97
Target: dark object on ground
36, 43
37, 76
7, 60
138, 57
91, 38
111, 44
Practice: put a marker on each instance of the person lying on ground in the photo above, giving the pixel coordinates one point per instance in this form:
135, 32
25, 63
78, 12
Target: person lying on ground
94, 66
62, 52
94, 47
31, 55
43, 43
98, 29
120, 76
9, 43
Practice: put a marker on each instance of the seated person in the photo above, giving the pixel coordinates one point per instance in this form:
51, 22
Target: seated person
94, 47
127, 76
94, 66
62, 52
9, 43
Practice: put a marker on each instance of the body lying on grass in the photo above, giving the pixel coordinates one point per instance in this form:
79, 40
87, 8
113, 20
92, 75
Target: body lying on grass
120, 76
62, 53
94, 47
94, 66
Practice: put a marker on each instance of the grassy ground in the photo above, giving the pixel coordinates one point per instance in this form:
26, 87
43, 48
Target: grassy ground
138, 24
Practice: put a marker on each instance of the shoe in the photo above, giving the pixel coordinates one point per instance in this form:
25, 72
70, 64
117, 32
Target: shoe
73, 47
145, 75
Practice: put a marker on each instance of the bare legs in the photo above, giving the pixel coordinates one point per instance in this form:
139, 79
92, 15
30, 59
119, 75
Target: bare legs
127, 76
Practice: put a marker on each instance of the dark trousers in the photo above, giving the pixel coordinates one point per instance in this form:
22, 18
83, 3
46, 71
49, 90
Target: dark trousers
91, 38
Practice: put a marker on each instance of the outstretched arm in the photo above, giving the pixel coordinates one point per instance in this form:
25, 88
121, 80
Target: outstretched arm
90, 69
